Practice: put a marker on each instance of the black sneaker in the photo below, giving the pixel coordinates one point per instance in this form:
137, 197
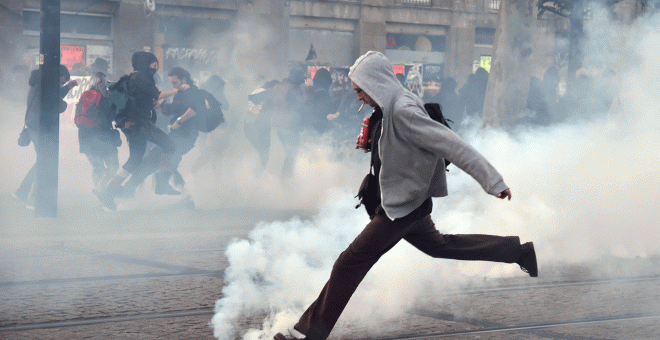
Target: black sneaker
527, 260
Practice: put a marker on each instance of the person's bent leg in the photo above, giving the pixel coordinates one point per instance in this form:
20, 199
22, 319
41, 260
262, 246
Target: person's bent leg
378, 237
473, 247
148, 166
137, 144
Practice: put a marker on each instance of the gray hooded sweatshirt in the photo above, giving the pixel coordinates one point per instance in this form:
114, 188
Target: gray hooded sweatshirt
412, 146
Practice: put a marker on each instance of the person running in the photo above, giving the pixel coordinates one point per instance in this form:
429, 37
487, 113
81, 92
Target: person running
96, 137
408, 149
137, 122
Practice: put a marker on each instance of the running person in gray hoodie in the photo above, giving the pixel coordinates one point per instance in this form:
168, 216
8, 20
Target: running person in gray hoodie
410, 148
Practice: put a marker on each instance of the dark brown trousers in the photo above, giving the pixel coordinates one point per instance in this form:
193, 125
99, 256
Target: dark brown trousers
377, 238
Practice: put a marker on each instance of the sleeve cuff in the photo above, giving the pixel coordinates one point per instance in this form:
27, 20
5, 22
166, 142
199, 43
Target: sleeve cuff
498, 188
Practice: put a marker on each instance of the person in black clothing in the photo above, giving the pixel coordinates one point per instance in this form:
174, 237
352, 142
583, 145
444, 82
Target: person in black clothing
137, 122
318, 104
25, 190
183, 134
450, 103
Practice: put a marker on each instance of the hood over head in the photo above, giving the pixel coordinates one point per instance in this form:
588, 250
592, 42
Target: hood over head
373, 73
141, 60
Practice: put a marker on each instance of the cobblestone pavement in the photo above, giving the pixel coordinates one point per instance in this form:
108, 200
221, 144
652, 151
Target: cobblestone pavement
129, 275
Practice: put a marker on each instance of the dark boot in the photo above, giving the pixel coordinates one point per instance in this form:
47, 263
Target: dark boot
107, 195
527, 260
162, 184
128, 190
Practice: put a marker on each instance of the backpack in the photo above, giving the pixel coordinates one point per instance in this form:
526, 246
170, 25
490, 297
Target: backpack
87, 110
435, 112
118, 94
211, 115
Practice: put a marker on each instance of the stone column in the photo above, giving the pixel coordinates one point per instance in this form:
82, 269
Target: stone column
460, 41
371, 28
508, 83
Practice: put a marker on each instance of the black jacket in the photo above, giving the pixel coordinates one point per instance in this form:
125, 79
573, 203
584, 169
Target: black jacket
182, 101
142, 89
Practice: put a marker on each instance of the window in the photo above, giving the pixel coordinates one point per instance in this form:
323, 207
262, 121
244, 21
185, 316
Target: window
72, 23
484, 36
493, 5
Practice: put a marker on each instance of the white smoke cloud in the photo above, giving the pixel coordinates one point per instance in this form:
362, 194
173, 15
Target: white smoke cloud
581, 190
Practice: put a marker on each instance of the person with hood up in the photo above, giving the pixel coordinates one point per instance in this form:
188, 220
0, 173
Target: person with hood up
408, 151
137, 122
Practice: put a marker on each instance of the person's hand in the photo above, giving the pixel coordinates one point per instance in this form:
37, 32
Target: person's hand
333, 116
184, 87
309, 82
504, 194
71, 83
175, 125
158, 103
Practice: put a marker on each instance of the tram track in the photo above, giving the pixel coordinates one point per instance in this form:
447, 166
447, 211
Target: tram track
519, 328
484, 328
209, 311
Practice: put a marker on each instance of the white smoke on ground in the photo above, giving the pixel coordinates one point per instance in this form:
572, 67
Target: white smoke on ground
581, 190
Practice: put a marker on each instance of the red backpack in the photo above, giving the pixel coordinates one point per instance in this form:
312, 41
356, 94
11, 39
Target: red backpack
87, 110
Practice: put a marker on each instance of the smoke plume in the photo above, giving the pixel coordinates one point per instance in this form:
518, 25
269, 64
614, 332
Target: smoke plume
583, 189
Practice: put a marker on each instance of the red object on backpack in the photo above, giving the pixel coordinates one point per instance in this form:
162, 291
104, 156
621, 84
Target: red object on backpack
89, 101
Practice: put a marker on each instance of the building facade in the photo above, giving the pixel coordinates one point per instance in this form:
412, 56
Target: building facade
437, 37
445, 36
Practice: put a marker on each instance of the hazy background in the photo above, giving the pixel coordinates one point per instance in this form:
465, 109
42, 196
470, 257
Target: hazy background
582, 191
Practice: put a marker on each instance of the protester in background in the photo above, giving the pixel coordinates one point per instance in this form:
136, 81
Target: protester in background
542, 98
473, 93
346, 120
25, 191
101, 65
286, 105
213, 144
281, 110
97, 139
137, 121
408, 150
318, 104
257, 126
183, 133
450, 104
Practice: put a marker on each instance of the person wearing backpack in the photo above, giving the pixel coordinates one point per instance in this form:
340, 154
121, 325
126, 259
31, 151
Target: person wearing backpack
137, 122
408, 151
184, 131
98, 140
